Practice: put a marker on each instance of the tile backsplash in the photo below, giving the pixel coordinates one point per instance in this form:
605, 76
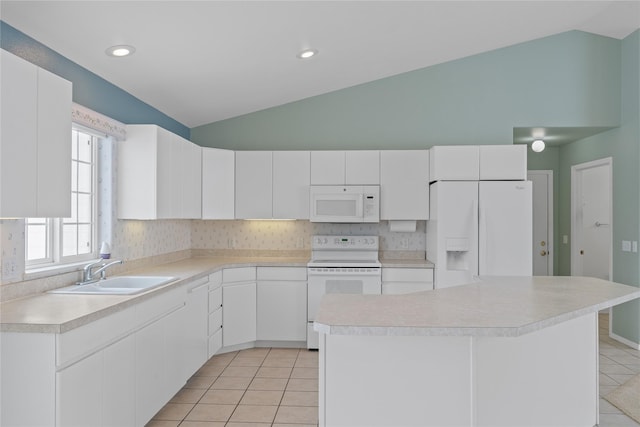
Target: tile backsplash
295, 235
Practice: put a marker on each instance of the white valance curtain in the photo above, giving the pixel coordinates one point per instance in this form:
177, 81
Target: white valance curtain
98, 122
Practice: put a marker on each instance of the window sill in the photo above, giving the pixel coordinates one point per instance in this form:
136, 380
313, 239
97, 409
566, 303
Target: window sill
53, 270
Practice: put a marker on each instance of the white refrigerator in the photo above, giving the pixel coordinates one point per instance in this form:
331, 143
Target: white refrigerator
479, 228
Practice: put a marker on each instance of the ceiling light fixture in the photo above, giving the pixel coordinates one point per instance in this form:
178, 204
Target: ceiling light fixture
120, 50
537, 145
307, 53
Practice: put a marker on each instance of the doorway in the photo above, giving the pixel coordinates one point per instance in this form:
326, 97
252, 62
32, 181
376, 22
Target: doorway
542, 183
591, 215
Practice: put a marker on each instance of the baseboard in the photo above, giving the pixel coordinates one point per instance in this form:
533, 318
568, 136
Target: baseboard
633, 345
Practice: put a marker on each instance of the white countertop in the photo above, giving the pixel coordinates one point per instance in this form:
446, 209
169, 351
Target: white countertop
494, 306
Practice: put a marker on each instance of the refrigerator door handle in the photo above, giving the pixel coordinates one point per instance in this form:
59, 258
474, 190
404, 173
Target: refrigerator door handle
483, 238
476, 236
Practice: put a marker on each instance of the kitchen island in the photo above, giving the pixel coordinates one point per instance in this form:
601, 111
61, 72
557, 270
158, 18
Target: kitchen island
508, 351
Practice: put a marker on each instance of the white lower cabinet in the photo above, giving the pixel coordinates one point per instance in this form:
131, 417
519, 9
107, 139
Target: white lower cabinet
282, 304
239, 314
79, 391
118, 397
396, 281
159, 353
196, 331
99, 389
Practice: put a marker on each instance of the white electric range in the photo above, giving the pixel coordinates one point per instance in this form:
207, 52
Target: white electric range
342, 265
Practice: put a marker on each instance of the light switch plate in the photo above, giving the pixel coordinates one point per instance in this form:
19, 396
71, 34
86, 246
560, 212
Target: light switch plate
626, 246
634, 246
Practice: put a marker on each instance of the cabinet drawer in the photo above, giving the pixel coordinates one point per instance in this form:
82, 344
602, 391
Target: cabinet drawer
407, 274
242, 274
215, 299
93, 336
215, 343
282, 273
160, 305
215, 280
215, 321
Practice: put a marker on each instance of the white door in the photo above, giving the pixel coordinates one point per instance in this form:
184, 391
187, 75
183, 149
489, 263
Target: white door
542, 181
591, 219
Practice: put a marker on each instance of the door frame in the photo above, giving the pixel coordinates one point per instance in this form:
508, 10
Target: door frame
550, 214
575, 188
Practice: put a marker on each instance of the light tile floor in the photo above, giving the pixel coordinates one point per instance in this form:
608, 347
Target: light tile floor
618, 363
250, 388
264, 387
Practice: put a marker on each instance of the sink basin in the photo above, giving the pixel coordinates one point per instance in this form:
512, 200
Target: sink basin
120, 285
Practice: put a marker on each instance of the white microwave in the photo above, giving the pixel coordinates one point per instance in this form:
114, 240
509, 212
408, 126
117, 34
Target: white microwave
349, 203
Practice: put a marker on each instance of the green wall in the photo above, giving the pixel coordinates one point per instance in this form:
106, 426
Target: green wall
571, 79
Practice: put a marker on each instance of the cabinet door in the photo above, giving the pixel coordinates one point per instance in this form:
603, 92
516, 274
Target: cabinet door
282, 311
239, 313
502, 162
454, 163
218, 183
196, 328
327, 168
362, 167
168, 183
54, 146
79, 392
291, 178
191, 174
253, 185
149, 372
174, 351
119, 373
404, 184
137, 173
18, 137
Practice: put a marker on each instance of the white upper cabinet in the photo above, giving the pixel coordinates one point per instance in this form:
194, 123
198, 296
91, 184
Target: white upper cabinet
254, 183
503, 162
291, 178
159, 175
358, 167
454, 163
362, 167
35, 141
404, 184
327, 168
218, 183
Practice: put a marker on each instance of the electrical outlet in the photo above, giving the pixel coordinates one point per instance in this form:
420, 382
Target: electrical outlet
9, 268
232, 243
626, 246
300, 243
404, 243
565, 239
634, 246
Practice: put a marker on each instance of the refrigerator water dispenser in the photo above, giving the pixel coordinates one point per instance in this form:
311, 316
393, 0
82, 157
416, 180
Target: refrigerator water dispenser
457, 254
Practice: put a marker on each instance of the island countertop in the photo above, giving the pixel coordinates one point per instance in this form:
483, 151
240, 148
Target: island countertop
492, 306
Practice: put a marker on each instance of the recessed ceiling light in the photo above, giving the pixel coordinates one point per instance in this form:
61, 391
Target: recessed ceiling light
120, 50
307, 53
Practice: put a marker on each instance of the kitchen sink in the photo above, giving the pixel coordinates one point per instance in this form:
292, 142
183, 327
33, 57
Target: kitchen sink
119, 285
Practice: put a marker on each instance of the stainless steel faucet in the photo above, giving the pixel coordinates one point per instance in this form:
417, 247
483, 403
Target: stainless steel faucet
88, 275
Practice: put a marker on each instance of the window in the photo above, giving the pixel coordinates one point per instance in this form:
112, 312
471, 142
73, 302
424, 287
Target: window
73, 239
